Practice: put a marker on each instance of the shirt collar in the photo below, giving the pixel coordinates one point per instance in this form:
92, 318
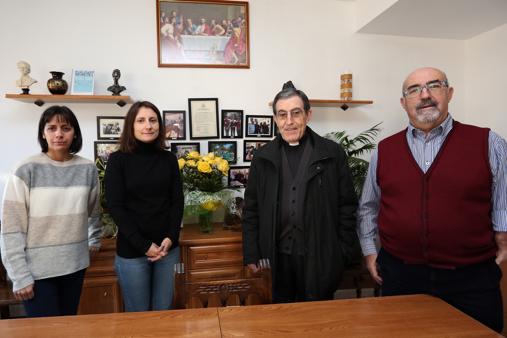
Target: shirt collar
443, 129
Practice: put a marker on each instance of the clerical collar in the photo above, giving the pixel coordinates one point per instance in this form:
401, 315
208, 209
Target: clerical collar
301, 142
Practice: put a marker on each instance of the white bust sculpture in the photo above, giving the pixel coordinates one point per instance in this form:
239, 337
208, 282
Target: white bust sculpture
25, 81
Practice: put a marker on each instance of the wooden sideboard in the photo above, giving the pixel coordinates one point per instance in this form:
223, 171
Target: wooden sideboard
214, 256
212, 271
101, 291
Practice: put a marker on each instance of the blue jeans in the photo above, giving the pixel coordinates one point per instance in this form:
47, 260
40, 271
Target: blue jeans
145, 285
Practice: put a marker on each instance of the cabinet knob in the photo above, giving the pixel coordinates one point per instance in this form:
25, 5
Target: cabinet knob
105, 293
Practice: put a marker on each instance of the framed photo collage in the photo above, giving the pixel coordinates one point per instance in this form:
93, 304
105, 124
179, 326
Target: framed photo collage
229, 134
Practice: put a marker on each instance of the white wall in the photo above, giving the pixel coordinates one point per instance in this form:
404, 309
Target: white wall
306, 41
486, 75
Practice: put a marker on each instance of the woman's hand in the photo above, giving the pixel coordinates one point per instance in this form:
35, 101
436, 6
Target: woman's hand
153, 252
166, 245
25, 293
156, 252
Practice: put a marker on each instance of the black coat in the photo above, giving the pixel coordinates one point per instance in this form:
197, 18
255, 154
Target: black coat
329, 217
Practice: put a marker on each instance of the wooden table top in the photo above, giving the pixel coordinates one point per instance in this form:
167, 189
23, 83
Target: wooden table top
402, 316
176, 323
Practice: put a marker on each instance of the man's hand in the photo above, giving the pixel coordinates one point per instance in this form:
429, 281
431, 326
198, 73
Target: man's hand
501, 243
254, 268
25, 293
371, 265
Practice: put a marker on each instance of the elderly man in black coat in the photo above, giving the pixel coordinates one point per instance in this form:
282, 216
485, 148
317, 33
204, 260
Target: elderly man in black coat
300, 206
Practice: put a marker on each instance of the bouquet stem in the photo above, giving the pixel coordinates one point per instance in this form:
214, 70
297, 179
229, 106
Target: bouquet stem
205, 223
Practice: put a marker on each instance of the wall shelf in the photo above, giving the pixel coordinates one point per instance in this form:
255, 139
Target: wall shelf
40, 99
343, 104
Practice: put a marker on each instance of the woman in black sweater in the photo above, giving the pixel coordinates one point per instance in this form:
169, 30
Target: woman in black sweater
145, 198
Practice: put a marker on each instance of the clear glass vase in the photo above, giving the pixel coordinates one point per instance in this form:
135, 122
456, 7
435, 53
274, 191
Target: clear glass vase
205, 221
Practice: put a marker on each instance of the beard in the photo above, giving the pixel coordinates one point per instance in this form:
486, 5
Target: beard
429, 114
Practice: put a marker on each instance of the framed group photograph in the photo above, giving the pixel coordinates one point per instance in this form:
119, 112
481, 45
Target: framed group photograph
174, 121
109, 127
249, 148
203, 116
182, 149
232, 123
103, 149
203, 33
225, 149
238, 176
259, 126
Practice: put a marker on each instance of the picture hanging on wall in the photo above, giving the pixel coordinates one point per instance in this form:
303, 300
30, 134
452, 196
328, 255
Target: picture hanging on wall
259, 126
103, 149
175, 124
232, 123
250, 147
203, 33
109, 127
203, 117
225, 149
182, 149
238, 176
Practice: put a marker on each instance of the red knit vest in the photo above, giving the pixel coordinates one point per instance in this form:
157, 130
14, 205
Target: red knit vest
441, 218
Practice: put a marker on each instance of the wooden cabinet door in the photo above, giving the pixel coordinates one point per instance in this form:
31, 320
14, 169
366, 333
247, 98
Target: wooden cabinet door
100, 295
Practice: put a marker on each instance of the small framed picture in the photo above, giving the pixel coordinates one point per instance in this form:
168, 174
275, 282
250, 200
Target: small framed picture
182, 149
259, 126
109, 127
103, 149
225, 149
238, 176
203, 117
82, 82
250, 147
175, 124
232, 123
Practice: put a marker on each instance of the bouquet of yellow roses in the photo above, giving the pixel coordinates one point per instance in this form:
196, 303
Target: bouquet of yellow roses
203, 185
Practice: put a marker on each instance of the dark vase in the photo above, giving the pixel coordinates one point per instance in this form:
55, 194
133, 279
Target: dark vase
56, 84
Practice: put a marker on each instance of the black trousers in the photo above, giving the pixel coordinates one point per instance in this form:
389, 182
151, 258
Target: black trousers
473, 289
290, 283
56, 296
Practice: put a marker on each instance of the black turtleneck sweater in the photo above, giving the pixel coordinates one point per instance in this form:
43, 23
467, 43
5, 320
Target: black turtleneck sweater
145, 198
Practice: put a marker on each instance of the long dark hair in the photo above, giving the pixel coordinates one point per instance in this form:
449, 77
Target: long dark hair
128, 143
66, 115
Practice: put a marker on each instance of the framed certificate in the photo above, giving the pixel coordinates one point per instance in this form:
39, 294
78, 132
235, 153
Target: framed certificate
203, 117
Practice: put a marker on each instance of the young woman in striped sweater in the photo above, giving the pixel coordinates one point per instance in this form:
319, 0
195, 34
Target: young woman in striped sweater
50, 219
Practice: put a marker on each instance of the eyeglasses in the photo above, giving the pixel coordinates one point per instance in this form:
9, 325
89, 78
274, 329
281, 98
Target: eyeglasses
295, 114
433, 87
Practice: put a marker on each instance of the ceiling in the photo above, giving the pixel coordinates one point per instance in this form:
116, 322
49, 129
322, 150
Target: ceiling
445, 19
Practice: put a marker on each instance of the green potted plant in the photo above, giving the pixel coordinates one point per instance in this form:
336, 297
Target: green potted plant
109, 229
354, 147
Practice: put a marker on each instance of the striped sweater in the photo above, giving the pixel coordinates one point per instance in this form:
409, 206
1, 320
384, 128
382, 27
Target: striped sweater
50, 215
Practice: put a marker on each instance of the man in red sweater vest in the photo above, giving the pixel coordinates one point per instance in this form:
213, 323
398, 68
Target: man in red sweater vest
436, 195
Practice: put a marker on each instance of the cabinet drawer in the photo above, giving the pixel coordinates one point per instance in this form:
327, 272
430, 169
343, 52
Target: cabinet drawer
235, 272
215, 256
